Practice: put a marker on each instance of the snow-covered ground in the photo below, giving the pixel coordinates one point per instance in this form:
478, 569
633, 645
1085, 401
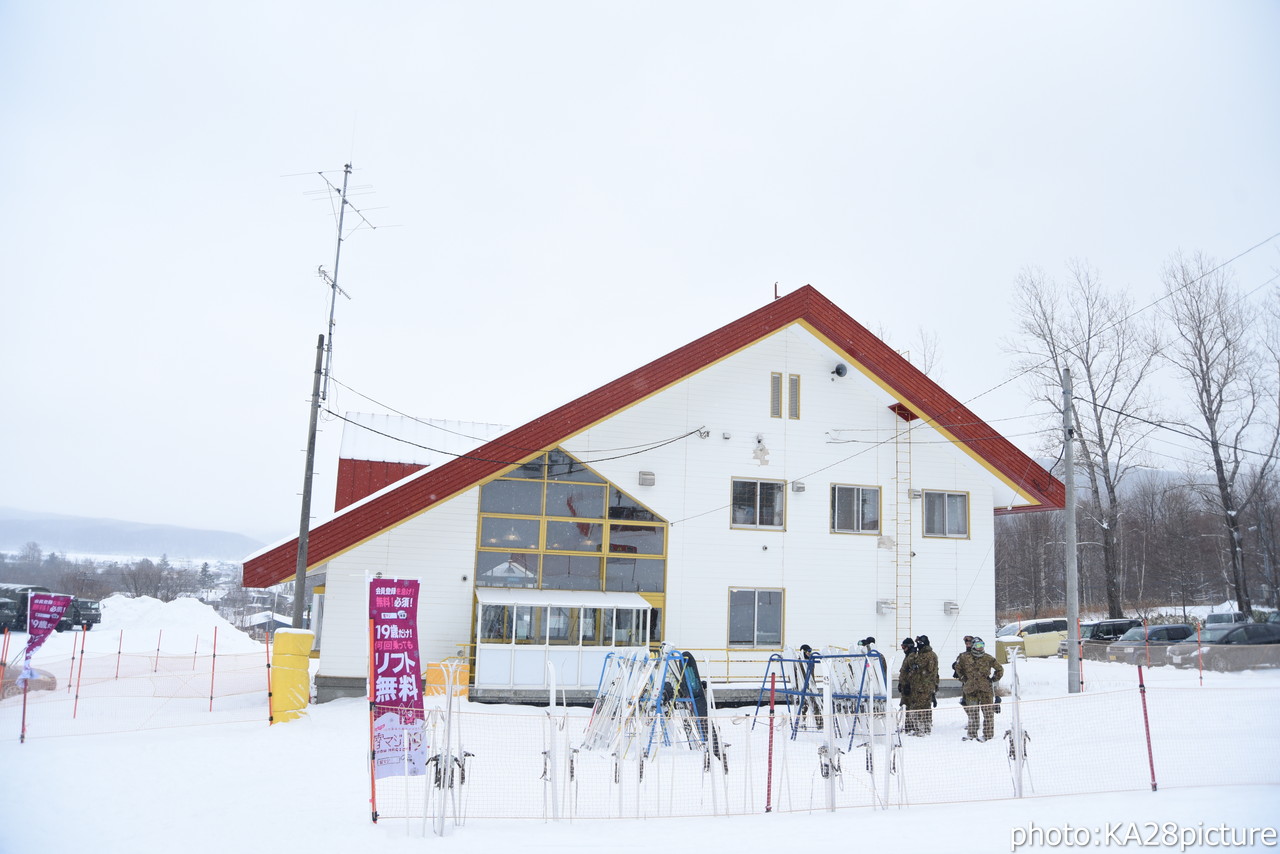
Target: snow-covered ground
304, 785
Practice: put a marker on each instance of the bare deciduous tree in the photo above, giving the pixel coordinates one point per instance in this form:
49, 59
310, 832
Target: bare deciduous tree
1217, 350
1077, 324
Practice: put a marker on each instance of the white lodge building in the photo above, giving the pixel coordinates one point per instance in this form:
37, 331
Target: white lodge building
786, 479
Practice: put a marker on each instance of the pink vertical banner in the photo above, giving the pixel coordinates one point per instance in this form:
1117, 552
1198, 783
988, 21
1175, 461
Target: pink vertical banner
44, 612
399, 746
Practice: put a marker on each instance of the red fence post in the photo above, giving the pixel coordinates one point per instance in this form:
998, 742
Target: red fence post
213, 666
75, 706
1146, 724
768, 786
71, 674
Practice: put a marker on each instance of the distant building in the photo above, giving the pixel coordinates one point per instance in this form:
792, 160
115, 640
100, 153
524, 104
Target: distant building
786, 479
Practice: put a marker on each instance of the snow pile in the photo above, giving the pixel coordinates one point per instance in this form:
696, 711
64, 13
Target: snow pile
183, 623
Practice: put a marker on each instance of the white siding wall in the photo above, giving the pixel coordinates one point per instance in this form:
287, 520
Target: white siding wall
437, 548
832, 581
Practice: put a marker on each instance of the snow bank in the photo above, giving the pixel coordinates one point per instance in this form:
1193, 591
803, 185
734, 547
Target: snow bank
184, 622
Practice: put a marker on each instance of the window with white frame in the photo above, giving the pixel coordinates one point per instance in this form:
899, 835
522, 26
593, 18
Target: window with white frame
755, 617
855, 509
758, 503
946, 514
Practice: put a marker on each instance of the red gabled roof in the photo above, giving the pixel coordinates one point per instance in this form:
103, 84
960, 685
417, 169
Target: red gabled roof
806, 306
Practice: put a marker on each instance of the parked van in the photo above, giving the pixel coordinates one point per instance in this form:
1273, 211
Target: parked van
1225, 617
1039, 637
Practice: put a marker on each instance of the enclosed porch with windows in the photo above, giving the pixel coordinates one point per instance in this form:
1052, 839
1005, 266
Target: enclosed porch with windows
518, 631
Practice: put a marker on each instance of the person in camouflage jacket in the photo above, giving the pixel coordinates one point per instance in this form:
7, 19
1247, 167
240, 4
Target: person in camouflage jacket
978, 672
907, 675
924, 687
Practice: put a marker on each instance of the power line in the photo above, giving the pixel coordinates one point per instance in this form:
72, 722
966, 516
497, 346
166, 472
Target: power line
1163, 426
467, 456
429, 423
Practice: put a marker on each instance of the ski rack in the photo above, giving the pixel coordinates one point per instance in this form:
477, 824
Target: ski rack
638, 699
857, 681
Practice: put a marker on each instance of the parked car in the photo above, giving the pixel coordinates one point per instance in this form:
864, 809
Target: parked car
1039, 637
1273, 617
1240, 647
1225, 617
1190, 653
9, 687
1136, 645
1095, 636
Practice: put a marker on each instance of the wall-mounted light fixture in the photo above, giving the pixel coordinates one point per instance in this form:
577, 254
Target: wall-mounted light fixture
840, 370
950, 608
797, 486
886, 606
647, 478
915, 493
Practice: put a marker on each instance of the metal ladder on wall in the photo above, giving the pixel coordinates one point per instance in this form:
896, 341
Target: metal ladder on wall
903, 532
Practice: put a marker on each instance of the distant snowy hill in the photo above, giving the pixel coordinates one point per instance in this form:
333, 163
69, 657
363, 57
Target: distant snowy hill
77, 535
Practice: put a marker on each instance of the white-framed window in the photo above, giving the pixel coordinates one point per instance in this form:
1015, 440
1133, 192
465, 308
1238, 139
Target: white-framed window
755, 617
758, 503
855, 509
946, 514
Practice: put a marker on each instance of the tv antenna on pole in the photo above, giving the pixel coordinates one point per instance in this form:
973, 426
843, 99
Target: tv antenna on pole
324, 365
344, 202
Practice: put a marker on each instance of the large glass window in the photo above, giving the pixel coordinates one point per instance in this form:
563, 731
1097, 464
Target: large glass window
636, 539
562, 625
574, 536
530, 624
542, 525
629, 627
570, 572
755, 617
757, 503
946, 514
635, 575
500, 533
855, 509
561, 466
507, 569
579, 500
495, 624
513, 497
623, 506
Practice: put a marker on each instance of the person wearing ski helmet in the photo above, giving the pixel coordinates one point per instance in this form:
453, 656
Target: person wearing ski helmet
907, 677
978, 672
924, 686
968, 645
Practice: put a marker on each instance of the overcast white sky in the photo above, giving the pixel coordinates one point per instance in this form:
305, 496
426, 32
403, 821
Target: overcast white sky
578, 188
